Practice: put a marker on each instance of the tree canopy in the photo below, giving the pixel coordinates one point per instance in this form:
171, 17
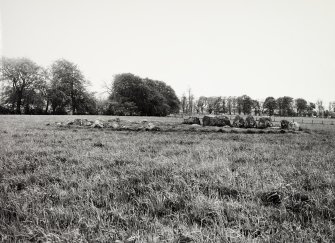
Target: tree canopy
285, 106
31, 89
67, 84
21, 76
301, 105
270, 104
26, 87
132, 95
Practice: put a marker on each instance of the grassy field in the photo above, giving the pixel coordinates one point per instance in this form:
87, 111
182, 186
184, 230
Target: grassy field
99, 185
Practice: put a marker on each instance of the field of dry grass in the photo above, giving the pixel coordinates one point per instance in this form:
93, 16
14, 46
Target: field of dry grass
100, 185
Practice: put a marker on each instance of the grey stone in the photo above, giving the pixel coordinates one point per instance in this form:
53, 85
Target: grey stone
97, 124
114, 125
191, 120
264, 122
219, 121
295, 126
151, 127
250, 122
238, 121
284, 124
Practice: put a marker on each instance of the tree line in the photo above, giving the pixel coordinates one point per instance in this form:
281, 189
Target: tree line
28, 88
232, 105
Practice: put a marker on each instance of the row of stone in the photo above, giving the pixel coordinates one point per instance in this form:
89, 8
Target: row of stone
224, 121
239, 122
284, 124
114, 124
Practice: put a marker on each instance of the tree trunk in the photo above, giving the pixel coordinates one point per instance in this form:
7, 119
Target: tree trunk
19, 103
47, 107
73, 104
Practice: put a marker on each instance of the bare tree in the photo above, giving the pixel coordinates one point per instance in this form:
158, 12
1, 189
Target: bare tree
319, 106
190, 99
183, 103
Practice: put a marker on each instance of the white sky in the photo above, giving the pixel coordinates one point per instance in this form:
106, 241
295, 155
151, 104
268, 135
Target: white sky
215, 47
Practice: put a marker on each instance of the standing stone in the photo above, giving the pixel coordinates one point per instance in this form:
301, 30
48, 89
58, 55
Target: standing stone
219, 121
250, 122
264, 122
98, 124
191, 120
294, 126
80, 122
238, 121
114, 125
151, 127
284, 124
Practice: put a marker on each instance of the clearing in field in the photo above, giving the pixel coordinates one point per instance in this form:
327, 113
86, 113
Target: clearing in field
103, 185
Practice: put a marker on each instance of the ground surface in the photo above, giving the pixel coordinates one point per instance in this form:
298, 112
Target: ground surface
99, 185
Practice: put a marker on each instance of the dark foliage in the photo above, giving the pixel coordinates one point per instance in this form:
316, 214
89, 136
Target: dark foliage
132, 95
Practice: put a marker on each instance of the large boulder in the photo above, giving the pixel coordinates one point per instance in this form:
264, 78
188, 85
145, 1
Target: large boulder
151, 127
98, 124
114, 125
191, 120
295, 126
69, 123
238, 121
219, 121
82, 122
264, 122
284, 124
250, 122
78, 122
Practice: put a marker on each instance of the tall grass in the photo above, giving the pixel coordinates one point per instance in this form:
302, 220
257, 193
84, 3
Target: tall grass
96, 185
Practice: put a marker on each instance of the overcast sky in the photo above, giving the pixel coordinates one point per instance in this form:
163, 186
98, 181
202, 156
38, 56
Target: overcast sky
215, 47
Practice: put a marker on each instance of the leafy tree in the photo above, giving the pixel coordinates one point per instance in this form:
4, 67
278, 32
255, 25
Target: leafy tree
219, 105
150, 97
247, 104
285, 105
58, 99
67, 81
256, 106
234, 104
36, 99
122, 109
210, 104
21, 74
310, 109
167, 93
102, 106
33, 102
239, 104
270, 104
229, 101
244, 104
8, 99
301, 105
87, 103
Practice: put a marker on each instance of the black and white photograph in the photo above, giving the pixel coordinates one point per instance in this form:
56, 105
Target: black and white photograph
182, 121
